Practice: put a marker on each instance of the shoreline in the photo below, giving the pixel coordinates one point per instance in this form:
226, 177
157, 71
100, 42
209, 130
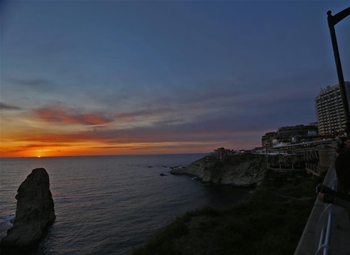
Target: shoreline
276, 211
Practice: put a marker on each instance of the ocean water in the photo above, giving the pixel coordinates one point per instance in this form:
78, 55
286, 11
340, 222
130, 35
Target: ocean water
110, 204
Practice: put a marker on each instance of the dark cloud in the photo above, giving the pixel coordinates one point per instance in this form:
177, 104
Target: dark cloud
4, 106
194, 132
32, 82
144, 113
41, 146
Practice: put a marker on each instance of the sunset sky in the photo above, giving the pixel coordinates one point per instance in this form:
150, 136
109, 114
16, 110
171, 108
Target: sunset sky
140, 77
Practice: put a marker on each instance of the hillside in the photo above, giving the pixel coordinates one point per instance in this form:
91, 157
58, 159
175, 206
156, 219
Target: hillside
242, 170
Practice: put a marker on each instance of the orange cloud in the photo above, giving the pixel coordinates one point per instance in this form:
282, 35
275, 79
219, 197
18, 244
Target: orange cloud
109, 142
56, 114
159, 137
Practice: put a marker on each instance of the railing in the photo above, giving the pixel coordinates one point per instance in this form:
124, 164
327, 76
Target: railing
324, 225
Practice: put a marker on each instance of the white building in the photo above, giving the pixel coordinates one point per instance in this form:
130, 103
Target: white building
330, 110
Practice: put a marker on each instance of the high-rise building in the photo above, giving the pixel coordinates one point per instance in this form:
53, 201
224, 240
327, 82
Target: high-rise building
330, 109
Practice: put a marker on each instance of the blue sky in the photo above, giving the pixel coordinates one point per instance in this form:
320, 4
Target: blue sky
174, 76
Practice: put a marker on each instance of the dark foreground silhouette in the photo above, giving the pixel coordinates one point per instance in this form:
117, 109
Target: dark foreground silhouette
34, 213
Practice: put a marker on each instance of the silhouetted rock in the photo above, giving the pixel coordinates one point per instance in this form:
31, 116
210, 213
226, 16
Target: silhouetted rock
34, 214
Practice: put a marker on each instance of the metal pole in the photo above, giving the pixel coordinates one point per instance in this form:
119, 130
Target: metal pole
332, 21
328, 234
321, 238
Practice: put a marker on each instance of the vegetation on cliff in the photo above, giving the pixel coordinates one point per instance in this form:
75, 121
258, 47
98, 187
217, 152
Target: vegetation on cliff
243, 170
270, 221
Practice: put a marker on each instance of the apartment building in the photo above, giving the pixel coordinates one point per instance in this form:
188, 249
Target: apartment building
286, 133
289, 134
329, 109
266, 140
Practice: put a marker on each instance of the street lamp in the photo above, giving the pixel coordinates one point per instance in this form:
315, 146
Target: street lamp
332, 21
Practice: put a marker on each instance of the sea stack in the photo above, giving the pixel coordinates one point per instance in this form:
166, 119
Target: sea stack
34, 214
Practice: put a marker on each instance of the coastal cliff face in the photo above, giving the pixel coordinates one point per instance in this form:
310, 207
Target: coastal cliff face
34, 213
243, 170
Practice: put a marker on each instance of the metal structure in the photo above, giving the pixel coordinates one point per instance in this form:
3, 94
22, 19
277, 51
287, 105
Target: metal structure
332, 21
324, 225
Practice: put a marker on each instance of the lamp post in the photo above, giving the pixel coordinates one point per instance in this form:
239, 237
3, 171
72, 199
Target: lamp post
332, 21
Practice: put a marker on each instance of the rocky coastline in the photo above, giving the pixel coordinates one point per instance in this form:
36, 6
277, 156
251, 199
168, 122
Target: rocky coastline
227, 167
276, 211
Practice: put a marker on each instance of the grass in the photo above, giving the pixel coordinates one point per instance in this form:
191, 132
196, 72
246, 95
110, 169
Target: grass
270, 221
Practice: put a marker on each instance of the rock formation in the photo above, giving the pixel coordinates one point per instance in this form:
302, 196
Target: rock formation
34, 213
243, 170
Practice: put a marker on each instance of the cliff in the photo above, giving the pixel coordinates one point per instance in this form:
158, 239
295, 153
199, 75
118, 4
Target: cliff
34, 213
243, 170
270, 221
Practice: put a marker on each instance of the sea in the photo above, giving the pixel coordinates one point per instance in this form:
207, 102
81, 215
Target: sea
110, 204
